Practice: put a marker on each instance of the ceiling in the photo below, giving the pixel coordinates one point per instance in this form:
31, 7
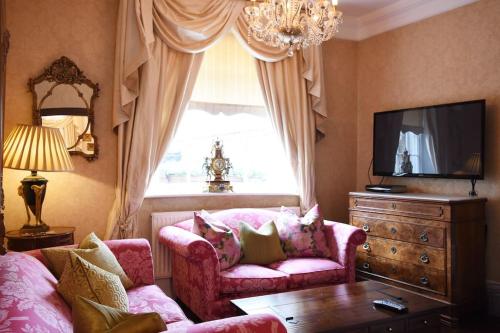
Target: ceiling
366, 18
356, 8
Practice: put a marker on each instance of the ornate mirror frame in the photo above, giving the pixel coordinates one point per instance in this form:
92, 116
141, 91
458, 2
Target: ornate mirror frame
65, 71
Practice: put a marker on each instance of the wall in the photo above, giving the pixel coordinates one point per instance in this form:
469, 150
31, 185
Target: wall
41, 32
450, 57
447, 58
336, 153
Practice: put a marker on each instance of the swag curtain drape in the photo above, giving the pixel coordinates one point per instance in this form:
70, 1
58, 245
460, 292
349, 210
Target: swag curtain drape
159, 48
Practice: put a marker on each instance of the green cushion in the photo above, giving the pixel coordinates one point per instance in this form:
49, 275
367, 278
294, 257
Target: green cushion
260, 247
91, 249
92, 317
81, 278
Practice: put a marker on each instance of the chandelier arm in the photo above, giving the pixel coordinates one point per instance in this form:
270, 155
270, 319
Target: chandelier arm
298, 9
293, 24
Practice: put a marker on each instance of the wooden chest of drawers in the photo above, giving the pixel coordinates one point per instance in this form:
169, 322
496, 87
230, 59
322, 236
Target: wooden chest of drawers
434, 245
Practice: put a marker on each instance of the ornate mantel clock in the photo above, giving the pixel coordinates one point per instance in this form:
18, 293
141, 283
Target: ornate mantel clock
218, 167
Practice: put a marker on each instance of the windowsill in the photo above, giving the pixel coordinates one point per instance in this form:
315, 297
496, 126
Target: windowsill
228, 194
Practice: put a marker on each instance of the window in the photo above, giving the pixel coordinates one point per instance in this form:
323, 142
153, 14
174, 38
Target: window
226, 104
420, 151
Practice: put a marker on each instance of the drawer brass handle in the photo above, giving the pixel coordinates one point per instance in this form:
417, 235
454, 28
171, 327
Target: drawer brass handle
389, 329
424, 237
393, 205
425, 322
366, 265
393, 230
394, 250
424, 258
424, 280
366, 228
366, 246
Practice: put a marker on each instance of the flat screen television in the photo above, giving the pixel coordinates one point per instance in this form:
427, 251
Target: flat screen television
440, 141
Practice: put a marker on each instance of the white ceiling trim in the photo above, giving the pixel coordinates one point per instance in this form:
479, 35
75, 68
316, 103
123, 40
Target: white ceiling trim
397, 14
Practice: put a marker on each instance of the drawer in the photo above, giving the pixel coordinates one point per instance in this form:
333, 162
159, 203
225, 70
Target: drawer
422, 210
425, 323
410, 253
397, 326
415, 275
415, 233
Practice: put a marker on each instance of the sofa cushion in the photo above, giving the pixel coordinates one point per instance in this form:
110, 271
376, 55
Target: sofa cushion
152, 299
303, 237
91, 249
81, 278
220, 236
261, 246
252, 278
305, 272
29, 300
92, 317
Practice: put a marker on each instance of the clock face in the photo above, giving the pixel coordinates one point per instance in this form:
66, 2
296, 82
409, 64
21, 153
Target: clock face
218, 164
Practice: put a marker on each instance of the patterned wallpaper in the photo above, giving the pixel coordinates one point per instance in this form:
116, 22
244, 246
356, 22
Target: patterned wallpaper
41, 32
447, 58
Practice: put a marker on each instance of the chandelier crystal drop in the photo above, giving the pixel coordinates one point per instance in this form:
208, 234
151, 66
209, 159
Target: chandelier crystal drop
292, 24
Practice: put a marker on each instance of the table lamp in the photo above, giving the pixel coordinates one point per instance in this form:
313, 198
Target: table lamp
473, 168
35, 148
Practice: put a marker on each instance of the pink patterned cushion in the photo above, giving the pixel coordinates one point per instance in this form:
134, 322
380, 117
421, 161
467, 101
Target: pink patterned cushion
304, 272
152, 299
29, 301
220, 236
252, 278
303, 237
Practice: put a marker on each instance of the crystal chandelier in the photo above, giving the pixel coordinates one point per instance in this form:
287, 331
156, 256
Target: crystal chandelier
292, 24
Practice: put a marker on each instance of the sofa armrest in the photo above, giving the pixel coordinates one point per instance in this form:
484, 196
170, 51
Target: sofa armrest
136, 259
187, 244
195, 268
258, 323
343, 240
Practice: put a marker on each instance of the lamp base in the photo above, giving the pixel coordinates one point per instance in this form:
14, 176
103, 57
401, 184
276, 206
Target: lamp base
34, 229
32, 190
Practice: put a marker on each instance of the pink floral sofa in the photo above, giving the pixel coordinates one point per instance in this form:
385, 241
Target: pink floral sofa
207, 290
29, 301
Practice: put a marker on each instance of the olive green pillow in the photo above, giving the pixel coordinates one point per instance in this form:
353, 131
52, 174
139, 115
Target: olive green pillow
81, 278
261, 246
91, 317
91, 249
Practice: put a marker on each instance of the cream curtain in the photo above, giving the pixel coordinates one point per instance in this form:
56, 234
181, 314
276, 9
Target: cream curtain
158, 55
159, 48
288, 104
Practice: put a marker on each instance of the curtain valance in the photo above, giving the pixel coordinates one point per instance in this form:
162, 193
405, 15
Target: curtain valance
192, 26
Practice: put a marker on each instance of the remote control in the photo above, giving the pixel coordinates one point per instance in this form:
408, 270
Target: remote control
390, 305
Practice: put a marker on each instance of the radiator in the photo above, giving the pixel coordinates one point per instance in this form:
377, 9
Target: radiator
161, 255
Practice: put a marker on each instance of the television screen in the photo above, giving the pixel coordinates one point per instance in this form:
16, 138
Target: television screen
436, 141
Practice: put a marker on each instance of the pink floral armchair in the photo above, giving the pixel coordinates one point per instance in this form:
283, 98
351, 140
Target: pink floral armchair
207, 290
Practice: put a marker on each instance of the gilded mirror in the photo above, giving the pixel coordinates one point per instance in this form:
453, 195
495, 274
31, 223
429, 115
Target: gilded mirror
64, 98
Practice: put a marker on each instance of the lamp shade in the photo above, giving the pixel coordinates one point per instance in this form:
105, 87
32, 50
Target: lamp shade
36, 148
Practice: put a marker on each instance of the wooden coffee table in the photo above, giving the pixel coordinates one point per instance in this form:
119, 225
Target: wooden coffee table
347, 308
